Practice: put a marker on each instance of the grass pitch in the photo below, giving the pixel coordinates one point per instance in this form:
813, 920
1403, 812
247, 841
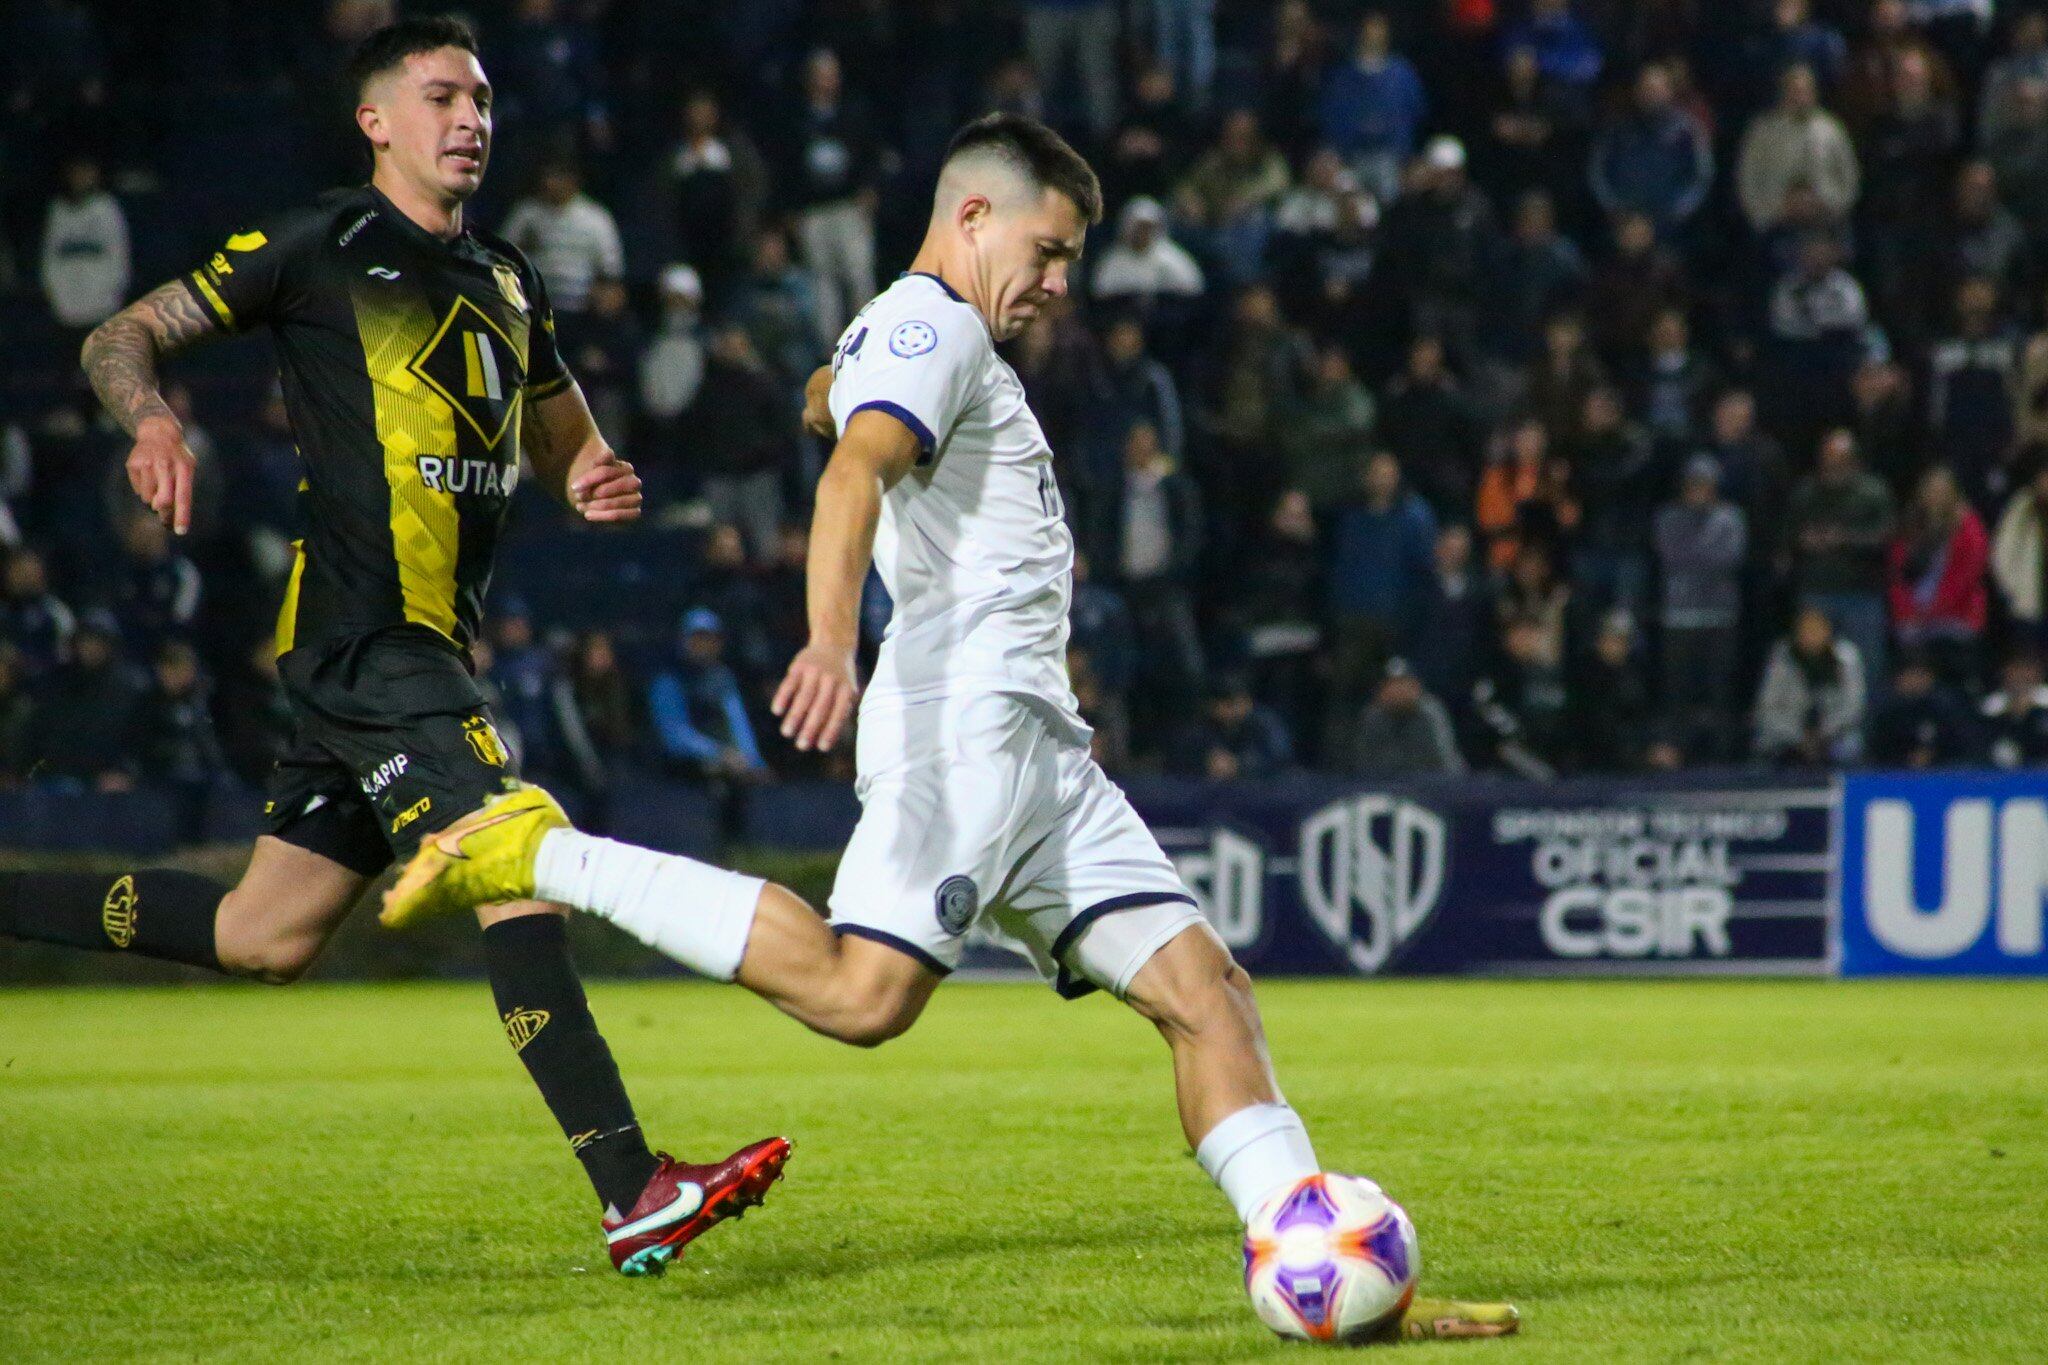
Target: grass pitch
1768, 1171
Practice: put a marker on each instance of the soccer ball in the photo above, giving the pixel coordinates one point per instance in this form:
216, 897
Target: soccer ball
1330, 1259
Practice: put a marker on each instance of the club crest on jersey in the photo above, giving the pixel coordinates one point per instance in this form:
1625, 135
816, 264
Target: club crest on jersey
913, 338
483, 738
117, 912
508, 285
956, 903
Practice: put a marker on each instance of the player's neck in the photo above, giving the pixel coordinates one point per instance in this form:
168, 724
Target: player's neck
429, 212
931, 261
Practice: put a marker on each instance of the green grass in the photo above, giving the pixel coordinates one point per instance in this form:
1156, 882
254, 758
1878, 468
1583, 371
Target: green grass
1767, 1171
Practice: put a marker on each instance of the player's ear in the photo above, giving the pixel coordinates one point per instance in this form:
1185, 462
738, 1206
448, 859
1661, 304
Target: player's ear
972, 213
371, 121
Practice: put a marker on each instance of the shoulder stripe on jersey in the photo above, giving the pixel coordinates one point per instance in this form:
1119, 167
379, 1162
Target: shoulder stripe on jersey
213, 299
951, 292
925, 441
548, 388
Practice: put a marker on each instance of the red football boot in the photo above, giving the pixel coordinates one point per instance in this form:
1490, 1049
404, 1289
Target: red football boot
683, 1202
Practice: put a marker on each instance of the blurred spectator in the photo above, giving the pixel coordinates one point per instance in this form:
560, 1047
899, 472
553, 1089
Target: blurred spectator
602, 346
1230, 194
1629, 286
1809, 710
1673, 381
1436, 430
1522, 705
255, 719
1536, 137
2015, 717
718, 187
1655, 161
1141, 388
1840, 521
1753, 472
86, 714
728, 585
1795, 144
778, 306
1818, 319
1909, 155
1970, 384
32, 618
1144, 264
1457, 648
1935, 576
1440, 242
1234, 737
174, 737
1874, 60
17, 709
1614, 718
604, 697
1105, 711
1149, 151
2018, 151
2019, 553
549, 67
1887, 424
2025, 59
1260, 375
1982, 237
156, 589
1403, 731
1567, 51
672, 369
1923, 723
1617, 480
1701, 540
1326, 437
570, 237
1561, 377
1796, 38
1382, 546
85, 252
746, 437
830, 163
1072, 44
1513, 481
1372, 108
700, 720
1292, 71
1100, 621
1270, 611
1147, 538
1539, 272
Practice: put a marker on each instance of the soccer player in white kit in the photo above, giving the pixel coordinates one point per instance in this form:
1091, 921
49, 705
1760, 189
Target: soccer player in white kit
980, 800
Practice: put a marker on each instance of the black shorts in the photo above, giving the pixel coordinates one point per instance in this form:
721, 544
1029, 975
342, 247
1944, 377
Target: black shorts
392, 741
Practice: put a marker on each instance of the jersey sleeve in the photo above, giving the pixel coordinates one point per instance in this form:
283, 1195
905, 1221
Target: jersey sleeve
920, 368
259, 274
546, 373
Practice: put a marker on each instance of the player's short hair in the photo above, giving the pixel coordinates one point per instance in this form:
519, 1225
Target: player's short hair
1037, 152
390, 45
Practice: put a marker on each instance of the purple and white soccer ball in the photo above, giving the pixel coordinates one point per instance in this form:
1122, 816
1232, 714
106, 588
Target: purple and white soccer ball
1331, 1259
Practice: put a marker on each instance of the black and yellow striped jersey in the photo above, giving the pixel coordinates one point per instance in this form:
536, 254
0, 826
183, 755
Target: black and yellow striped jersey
407, 361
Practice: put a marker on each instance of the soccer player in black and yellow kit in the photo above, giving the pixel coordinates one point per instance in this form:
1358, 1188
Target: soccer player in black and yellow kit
418, 359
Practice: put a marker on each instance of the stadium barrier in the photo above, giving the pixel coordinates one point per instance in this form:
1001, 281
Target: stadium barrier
1868, 874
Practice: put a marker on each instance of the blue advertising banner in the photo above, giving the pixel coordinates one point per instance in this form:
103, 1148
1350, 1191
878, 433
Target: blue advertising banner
1322, 875
1944, 874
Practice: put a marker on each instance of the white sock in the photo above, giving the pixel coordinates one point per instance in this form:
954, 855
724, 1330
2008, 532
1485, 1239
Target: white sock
695, 913
1255, 1152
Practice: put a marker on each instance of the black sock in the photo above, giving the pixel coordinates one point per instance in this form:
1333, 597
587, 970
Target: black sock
156, 912
548, 1022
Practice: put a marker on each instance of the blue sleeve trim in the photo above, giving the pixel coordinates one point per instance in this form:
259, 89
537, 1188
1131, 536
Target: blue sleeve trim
901, 945
1072, 987
926, 442
951, 292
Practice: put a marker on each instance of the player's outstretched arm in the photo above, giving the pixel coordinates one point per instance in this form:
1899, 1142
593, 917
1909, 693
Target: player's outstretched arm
120, 358
575, 463
817, 695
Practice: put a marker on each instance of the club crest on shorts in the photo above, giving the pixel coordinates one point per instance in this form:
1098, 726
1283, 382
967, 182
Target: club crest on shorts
955, 904
483, 739
117, 912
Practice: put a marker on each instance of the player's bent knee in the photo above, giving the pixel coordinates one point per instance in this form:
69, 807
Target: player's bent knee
1193, 987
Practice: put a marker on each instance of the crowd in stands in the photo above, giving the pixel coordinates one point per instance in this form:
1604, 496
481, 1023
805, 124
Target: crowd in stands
1540, 386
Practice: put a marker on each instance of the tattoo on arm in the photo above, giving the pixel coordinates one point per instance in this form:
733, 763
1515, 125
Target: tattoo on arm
121, 354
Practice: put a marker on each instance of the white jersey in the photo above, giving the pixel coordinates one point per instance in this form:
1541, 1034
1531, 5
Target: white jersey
972, 544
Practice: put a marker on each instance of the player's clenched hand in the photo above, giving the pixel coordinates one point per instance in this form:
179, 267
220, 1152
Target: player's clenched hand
603, 487
160, 470
818, 404
817, 696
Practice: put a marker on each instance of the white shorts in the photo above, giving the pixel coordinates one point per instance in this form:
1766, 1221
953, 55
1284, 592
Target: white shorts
977, 810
